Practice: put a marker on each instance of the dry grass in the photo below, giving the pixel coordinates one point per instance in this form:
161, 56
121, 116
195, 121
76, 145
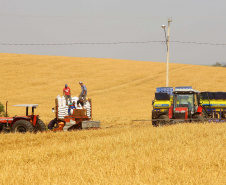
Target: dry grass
121, 91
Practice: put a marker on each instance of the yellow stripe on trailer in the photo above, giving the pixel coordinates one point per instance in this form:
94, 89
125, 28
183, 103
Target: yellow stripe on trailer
214, 103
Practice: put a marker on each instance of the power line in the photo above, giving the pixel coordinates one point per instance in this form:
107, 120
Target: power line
204, 43
87, 43
106, 43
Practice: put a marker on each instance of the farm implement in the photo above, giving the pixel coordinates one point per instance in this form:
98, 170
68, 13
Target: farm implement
65, 119
75, 119
185, 104
22, 124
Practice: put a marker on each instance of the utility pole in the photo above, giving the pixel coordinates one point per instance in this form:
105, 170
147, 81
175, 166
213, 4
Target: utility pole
167, 44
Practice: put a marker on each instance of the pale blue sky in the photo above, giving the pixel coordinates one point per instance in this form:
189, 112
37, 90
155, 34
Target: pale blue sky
112, 21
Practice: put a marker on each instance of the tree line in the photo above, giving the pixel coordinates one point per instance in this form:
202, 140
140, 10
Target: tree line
218, 64
2, 110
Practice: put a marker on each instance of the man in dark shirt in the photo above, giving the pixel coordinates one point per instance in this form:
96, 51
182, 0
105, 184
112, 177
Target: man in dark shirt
52, 124
83, 93
80, 103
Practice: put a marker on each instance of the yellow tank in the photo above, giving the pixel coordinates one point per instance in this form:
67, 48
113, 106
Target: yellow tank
162, 104
214, 103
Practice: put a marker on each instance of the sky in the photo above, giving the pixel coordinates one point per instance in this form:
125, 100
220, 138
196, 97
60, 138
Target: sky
117, 29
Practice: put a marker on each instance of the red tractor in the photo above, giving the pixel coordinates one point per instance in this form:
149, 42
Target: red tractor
186, 107
22, 124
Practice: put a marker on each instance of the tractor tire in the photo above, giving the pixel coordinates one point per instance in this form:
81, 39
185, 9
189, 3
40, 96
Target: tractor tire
199, 118
40, 126
6, 131
22, 126
164, 120
1, 127
204, 113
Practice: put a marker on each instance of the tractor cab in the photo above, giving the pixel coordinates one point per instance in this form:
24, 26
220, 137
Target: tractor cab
32, 116
185, 103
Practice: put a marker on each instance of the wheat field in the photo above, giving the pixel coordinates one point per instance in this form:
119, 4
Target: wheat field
120, 152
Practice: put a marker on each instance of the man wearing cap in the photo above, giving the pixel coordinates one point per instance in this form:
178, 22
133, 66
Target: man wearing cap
67, 93
83, 92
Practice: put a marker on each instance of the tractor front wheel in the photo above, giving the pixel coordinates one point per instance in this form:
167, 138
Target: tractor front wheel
22, 126
40, 126
163, 120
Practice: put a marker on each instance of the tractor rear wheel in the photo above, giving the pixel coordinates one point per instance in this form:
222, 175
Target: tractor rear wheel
22, 126
164, 120
40, 126
199, 118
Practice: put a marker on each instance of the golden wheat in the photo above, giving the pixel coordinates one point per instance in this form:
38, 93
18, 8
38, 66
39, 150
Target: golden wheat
180, 154
121, 90
122, 154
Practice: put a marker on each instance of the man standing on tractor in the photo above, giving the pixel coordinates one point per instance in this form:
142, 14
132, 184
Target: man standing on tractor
67, 93
83, 93
80, 103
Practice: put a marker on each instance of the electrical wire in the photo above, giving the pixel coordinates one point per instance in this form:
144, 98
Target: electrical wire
106, 43
203, 43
